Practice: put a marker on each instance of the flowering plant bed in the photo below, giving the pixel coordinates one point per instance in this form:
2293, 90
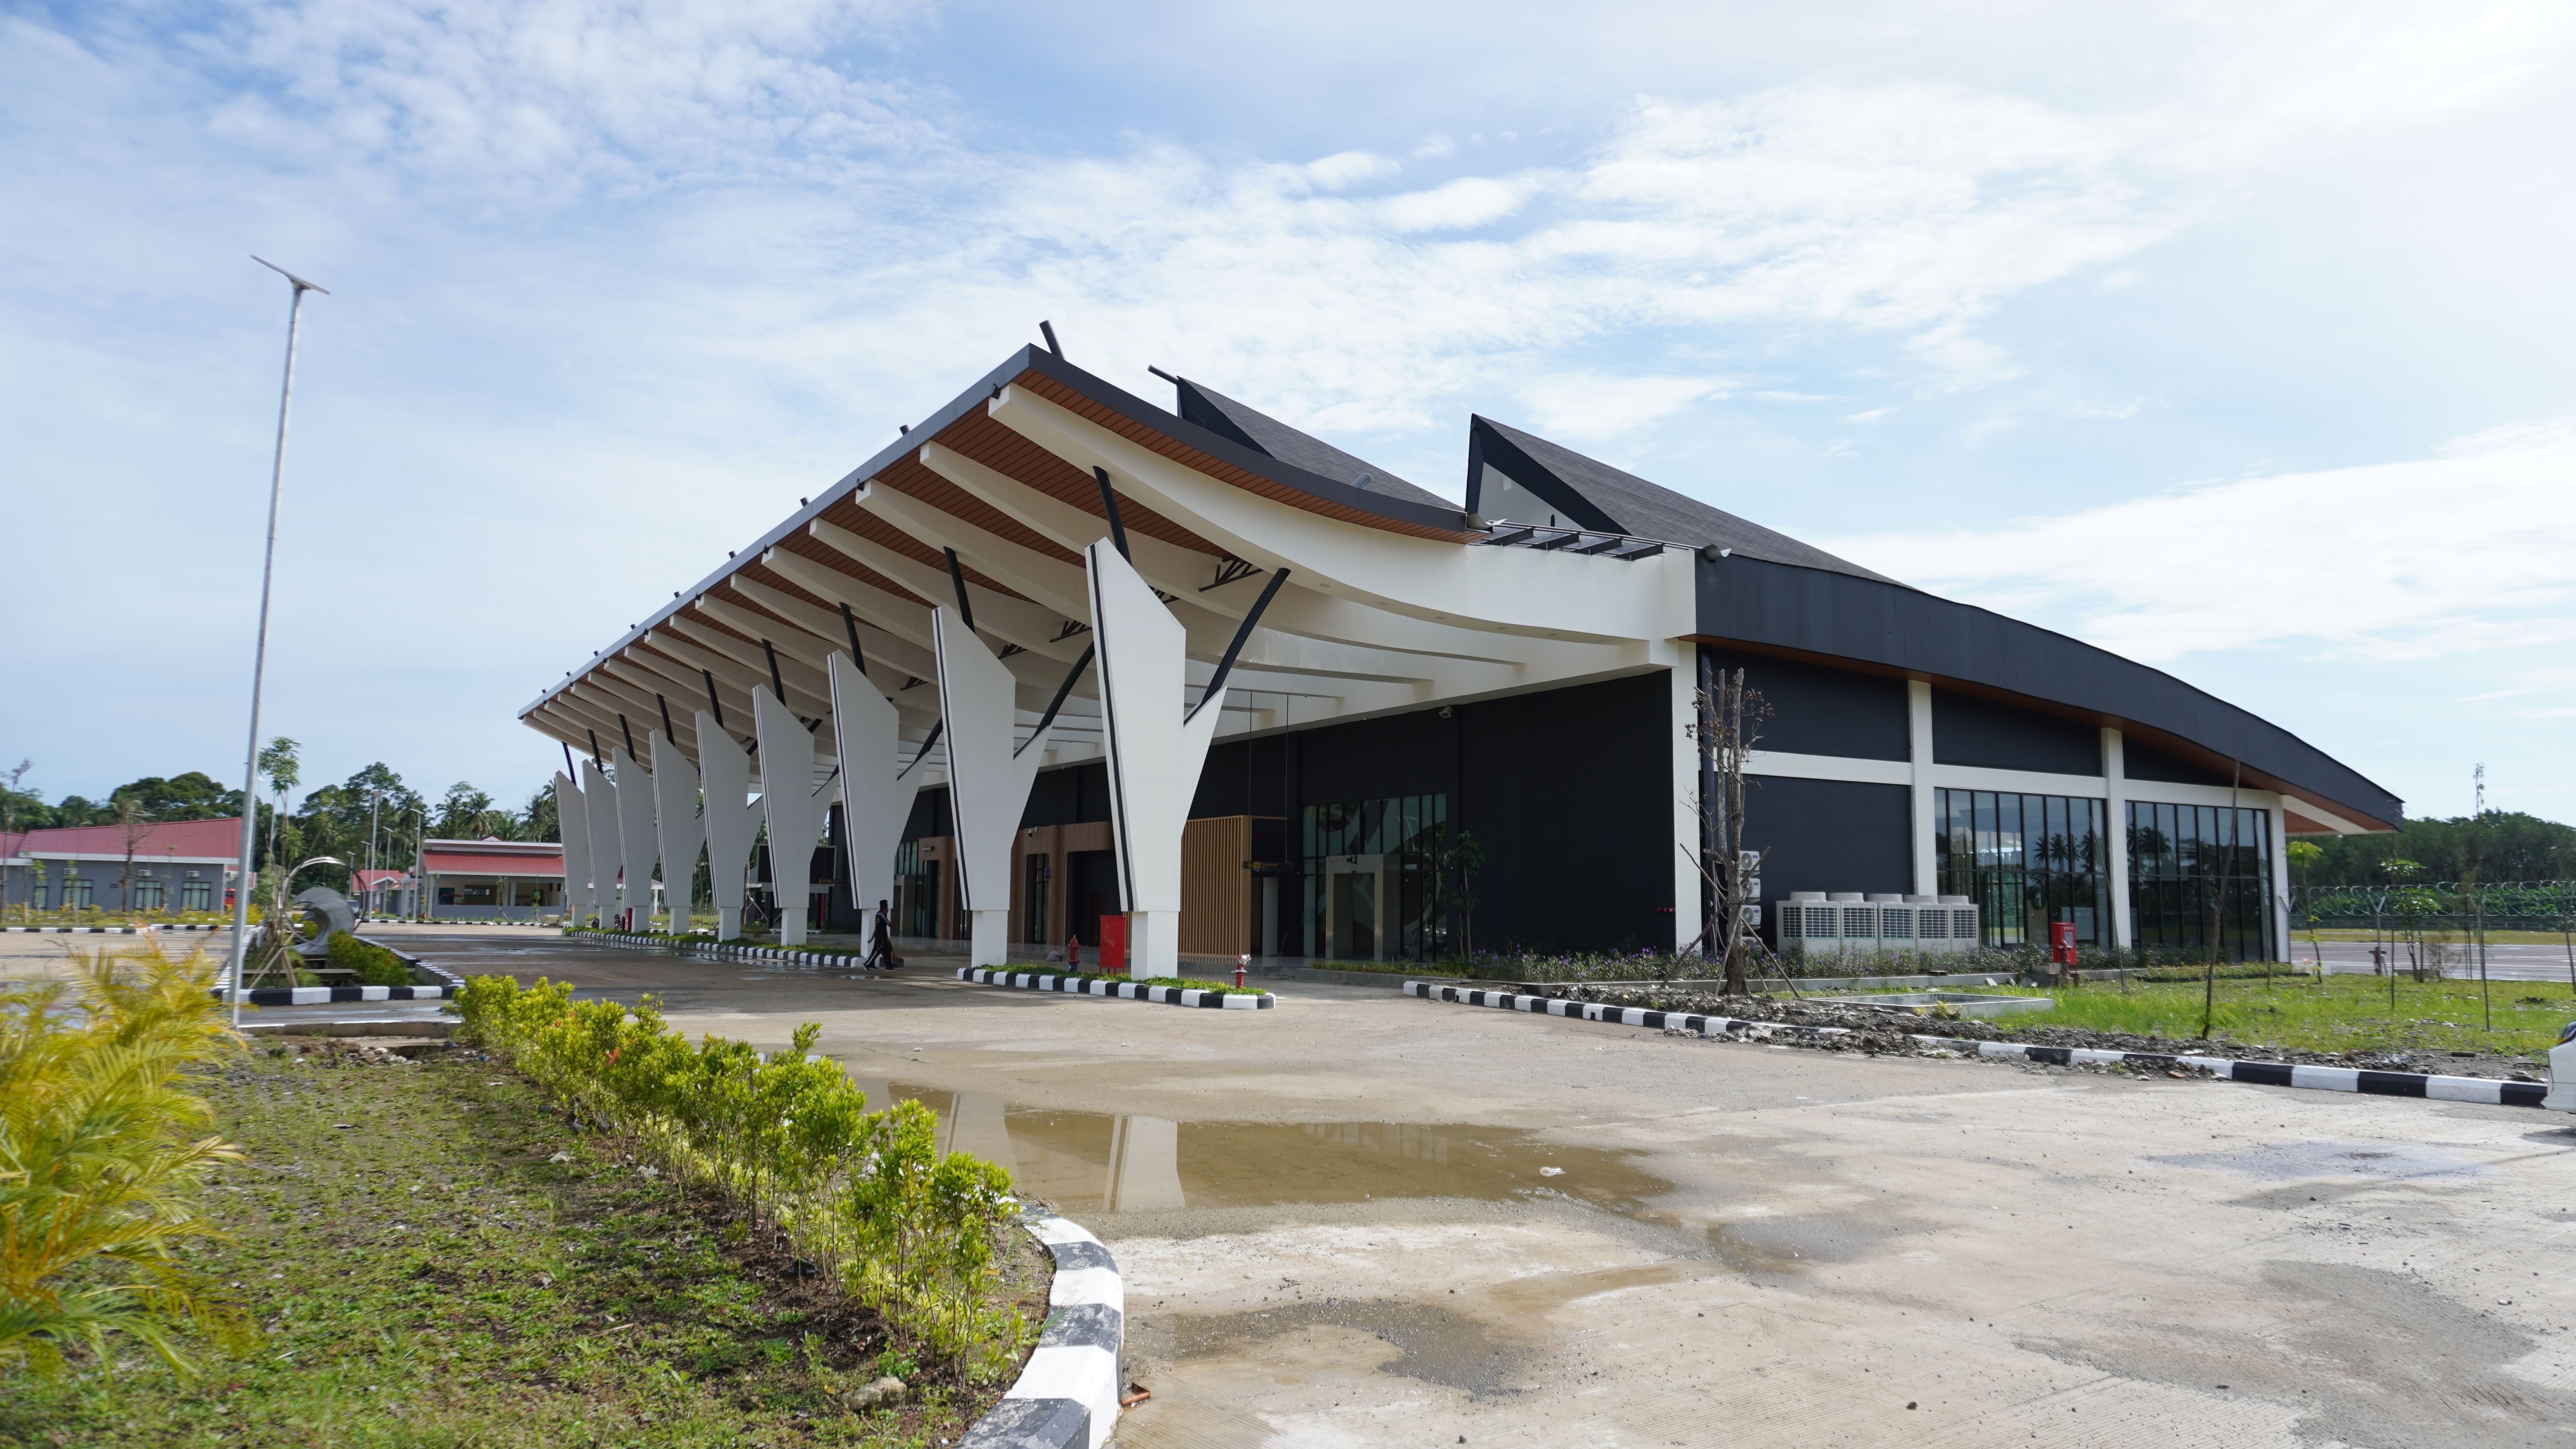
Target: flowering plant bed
1164, 991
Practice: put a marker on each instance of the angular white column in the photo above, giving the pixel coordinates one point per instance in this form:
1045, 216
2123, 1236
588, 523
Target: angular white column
732, 820
1918, 750
794, 805
607, 855
635, 840
676, 822
1156, 750
875, 802
2115, 780
988, 783
572, 822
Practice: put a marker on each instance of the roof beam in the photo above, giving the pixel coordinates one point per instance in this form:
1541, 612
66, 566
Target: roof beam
1033, 627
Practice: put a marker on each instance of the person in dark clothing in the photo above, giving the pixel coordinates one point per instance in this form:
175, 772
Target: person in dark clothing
881, 942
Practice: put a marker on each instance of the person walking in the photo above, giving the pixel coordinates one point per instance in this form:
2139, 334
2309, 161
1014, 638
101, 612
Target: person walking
880, 943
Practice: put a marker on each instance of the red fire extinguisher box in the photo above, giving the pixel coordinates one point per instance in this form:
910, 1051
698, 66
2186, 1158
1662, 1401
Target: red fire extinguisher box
1113, 945
2061, 942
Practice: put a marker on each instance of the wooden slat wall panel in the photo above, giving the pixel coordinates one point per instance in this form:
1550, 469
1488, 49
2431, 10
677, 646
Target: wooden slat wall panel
1216, 891
1189, 457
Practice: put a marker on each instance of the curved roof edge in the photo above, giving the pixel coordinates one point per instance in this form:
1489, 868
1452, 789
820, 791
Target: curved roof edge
1840, 617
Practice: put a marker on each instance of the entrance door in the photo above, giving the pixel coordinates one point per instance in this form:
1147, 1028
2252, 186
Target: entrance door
1033, 900
1355, 907
1091, 891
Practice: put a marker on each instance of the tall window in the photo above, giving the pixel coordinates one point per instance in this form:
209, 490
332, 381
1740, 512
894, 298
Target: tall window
2199, 873
2027, 861
149, 895
196, 895
1369, 890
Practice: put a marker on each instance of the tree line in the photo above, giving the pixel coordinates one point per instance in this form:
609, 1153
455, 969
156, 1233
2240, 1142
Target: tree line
2501, 845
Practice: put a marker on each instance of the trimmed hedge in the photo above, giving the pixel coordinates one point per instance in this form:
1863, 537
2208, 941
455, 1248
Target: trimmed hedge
375, 965
908, 1230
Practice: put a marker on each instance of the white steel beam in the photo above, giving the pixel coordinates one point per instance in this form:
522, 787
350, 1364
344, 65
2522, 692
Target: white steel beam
795, 808
682, 831
732, 821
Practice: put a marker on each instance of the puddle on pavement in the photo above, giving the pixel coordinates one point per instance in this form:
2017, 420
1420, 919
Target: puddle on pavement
1433, 1344
1768, 1247
2331, 1159
1102, 1163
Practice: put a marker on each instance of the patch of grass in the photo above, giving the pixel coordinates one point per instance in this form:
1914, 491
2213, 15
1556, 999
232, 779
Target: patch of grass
428, 1274
2339, 1014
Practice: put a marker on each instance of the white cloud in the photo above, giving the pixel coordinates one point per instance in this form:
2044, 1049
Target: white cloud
1874, 415
2465, 551
1580, 405
1468, 202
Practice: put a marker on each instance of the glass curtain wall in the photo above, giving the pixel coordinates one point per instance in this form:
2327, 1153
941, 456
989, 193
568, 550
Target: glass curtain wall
2199, 873
2026, 860
1398, 898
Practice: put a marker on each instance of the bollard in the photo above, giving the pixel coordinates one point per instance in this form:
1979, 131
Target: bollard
1240, 962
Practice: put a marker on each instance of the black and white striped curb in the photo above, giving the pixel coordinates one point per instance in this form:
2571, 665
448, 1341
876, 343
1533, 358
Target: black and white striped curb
116, 930
2271, 1074
1067, 1395
711, 951
327, 995
1132, 991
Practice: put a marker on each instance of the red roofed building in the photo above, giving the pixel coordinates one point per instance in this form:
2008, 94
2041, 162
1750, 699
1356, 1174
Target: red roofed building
492, 879
176, 865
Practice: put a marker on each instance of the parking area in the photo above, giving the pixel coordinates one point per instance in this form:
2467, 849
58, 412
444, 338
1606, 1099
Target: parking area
1364, 1219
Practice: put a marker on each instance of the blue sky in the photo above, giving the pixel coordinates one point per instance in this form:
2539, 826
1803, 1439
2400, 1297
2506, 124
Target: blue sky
2228, 336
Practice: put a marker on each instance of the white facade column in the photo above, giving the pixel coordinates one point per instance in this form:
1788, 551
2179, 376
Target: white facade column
2280, 814
988, 781
794, 805
607, 854
1918, 750
635, 842
572, 822
732, 819
1156, 751
2115, 777
1687, 886
875, 801
676, 822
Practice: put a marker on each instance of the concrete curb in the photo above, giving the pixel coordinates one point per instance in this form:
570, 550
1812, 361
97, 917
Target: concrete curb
1129, 990
2271, 1074
710, 951
327, 995
109, 930
1067, 1394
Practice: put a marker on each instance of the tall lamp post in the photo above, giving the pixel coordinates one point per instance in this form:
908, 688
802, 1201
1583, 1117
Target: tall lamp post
259, 652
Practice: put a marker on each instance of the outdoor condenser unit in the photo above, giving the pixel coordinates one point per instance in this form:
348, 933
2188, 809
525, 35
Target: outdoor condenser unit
1846, 921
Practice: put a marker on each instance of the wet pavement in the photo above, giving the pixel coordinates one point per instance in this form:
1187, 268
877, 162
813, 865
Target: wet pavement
1362, 1219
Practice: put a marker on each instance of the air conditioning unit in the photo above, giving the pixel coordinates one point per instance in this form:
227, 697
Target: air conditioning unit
1845, 922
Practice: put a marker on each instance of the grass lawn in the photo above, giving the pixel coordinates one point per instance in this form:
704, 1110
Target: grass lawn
2340, 1014
424, 1272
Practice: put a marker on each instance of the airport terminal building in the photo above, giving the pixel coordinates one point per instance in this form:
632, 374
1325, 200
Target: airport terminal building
1059, 653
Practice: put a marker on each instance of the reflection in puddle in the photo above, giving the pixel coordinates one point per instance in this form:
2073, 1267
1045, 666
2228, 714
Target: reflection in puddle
1091, 1160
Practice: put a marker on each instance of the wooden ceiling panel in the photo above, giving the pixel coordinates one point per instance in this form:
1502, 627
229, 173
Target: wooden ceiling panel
910, 478
1004, 451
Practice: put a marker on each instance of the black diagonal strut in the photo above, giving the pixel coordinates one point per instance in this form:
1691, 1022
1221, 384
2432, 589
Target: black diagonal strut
1062, 691
714, 703
570, 773
1225, 666
594, 749
624, 729
858, 656
957, 576
1109, 506
668, 733
775, 682
927, 741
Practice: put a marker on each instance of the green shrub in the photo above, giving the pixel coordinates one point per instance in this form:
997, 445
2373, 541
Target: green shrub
100, 1162
374, 965
909, 1230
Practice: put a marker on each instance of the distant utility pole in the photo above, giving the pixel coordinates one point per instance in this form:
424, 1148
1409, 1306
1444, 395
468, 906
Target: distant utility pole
259, 652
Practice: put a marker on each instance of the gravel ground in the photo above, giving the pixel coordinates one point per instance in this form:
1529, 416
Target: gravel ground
1888, 1032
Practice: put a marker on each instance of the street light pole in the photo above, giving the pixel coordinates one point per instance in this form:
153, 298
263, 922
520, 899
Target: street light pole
259, 651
